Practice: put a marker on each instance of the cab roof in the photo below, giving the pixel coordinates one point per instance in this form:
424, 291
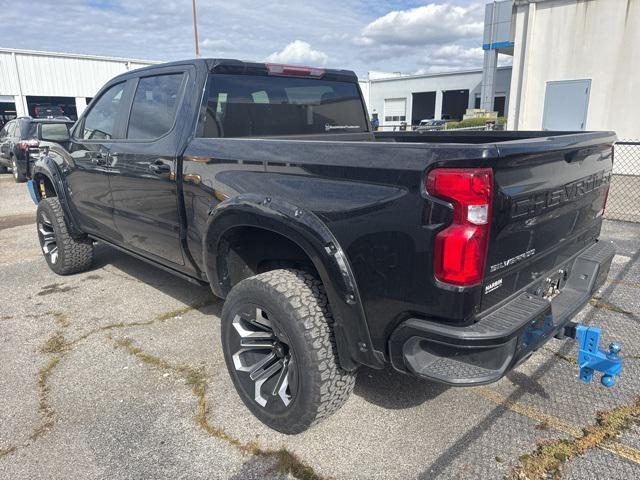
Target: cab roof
239, 67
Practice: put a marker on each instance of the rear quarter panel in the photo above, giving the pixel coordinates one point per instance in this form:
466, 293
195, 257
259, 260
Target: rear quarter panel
370, 195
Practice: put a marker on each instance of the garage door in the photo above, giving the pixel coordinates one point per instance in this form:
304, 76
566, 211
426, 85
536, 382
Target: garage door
565, 105
395, 110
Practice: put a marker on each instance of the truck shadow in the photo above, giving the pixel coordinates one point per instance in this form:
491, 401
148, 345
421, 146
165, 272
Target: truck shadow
388, 388
130, 268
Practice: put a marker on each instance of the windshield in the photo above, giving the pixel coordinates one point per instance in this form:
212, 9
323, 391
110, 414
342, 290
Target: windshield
247, 105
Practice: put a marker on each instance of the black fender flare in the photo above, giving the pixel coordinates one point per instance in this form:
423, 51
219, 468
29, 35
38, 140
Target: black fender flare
47, 167
306, 230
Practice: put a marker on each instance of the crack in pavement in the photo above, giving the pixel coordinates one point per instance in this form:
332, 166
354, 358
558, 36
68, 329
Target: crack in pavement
597, 303
54, 288
286, 462
550, 456
550, 421
59, 346
626, 283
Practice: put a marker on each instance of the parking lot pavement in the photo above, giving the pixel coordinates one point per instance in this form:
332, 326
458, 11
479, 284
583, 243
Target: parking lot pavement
118, 373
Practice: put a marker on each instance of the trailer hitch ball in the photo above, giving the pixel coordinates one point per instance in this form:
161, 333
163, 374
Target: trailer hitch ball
607, 379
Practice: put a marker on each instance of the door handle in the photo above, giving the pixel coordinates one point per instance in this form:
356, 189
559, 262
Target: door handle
160, 168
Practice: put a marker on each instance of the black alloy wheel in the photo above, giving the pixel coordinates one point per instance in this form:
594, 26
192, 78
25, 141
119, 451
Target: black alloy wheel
278, 344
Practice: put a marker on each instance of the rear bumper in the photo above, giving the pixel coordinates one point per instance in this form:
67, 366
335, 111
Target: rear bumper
485, 351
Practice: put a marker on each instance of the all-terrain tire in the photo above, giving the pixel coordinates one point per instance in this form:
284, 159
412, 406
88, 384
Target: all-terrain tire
299, 312
71, 255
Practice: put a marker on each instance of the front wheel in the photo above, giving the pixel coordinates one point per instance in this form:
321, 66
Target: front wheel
64, 254
280, 351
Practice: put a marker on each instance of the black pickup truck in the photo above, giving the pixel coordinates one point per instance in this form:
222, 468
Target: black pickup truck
451, 256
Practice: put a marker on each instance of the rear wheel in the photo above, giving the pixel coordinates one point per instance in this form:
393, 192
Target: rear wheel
18, 176
279, 348
64, 254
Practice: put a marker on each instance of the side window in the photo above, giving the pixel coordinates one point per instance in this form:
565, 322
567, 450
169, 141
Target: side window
100, 122
154, 106
32, 130
4, 131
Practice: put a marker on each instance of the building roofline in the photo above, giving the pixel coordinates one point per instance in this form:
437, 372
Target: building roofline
428, 75
77, 55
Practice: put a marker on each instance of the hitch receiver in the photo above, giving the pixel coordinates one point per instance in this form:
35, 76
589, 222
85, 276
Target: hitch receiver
591, 358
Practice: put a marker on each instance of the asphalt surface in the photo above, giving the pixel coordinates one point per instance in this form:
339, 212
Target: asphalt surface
118, 373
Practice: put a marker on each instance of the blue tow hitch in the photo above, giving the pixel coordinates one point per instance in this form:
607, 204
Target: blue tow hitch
591, 359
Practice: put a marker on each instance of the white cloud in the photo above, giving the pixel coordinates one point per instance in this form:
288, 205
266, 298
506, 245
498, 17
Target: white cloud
446, 58
453, 57
298, 52
454, 54
163, 30
429, 24
216, 44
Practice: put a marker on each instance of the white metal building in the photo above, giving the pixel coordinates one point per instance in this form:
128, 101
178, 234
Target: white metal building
398, 98
576, 63
29, 79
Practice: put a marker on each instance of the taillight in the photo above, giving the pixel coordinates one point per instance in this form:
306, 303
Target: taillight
461, 248
24, 146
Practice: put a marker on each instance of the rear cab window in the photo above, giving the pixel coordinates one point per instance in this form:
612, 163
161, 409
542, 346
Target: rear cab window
262, 106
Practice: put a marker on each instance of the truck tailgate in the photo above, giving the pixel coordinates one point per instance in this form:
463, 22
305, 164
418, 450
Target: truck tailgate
548, 205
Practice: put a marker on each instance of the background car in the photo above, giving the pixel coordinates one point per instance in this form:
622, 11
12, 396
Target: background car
48, 111
20, 140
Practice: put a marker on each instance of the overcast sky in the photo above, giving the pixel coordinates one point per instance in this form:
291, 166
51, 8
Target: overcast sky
389, 35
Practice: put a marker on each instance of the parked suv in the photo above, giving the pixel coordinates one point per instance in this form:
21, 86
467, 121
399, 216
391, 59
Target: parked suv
20, 140
48, 111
